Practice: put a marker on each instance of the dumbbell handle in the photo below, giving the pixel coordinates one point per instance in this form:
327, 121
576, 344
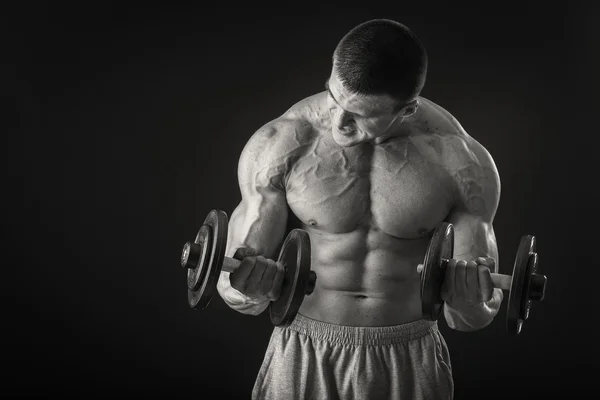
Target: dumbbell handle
192, 255
500, 281
192, 252
231, 264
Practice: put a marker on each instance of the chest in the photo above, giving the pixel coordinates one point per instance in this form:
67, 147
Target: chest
398, 188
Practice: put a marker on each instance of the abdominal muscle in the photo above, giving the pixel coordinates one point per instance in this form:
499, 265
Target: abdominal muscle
364, 278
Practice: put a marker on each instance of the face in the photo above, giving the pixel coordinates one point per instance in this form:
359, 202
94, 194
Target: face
357, 118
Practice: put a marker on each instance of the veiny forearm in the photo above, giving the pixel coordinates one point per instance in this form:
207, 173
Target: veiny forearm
476, 240
259, 226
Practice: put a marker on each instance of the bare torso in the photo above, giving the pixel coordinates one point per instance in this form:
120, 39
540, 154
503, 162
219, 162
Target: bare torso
370, 211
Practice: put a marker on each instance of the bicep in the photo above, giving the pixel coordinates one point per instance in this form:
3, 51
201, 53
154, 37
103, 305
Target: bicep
259, 222
260, 219
477, 199
473, 236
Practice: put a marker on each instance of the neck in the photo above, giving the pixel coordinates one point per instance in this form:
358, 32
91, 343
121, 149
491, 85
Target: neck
398, 128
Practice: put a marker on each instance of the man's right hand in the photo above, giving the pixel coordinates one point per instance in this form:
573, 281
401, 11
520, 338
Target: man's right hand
257, 277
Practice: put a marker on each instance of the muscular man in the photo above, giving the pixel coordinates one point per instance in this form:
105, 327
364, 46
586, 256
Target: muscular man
369, 168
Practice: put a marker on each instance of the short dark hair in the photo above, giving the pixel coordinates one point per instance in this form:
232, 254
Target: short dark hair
381, 57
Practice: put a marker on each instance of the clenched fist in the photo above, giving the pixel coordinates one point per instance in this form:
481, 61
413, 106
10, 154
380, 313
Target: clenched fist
257, 277
468, 283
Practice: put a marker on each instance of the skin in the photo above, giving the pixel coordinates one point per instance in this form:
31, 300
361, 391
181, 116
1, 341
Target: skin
369, 179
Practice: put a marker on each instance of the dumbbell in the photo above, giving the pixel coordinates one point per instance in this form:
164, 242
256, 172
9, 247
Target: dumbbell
204, 259
525, 284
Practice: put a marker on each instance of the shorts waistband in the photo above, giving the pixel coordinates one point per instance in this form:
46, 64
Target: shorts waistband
359, 335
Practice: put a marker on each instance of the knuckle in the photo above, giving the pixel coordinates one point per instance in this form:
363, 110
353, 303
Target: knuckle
274, 295
238, 253
262, 262
278, 267
271, 272
261, 259
242, 252
482, 269
248, 262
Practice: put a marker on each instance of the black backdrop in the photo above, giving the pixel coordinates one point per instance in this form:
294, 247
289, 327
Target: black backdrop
130, 123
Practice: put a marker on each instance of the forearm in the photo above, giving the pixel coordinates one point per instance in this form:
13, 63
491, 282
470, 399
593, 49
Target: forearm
472, 317
474, 240
238, 301
261, 233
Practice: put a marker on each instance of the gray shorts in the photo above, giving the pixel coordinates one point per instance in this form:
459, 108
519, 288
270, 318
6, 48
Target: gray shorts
316, 360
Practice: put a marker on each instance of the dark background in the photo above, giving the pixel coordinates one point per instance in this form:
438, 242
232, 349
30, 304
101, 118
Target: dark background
130, 124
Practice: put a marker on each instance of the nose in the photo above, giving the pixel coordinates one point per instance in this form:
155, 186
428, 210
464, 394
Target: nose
341, 119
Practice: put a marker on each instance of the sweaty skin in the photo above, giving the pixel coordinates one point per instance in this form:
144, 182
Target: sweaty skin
370, 208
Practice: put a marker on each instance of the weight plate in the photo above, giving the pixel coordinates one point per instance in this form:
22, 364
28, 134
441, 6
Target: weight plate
439, 251
295, 256
518, 300
532, 269
217, 221
204, 241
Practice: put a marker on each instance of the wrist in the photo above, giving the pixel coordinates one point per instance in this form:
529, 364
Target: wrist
239, 301
470, 317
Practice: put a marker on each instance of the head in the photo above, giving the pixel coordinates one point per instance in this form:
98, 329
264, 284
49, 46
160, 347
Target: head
379, 69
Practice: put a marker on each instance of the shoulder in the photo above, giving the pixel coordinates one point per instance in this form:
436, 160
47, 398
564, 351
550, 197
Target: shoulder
287, 134
458, 148
273, 148
476, 177
279, 139
469, 162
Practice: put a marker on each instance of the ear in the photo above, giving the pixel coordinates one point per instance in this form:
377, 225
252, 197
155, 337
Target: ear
409, 109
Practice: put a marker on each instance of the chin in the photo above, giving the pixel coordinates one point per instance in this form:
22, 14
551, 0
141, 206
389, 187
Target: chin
347, 140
